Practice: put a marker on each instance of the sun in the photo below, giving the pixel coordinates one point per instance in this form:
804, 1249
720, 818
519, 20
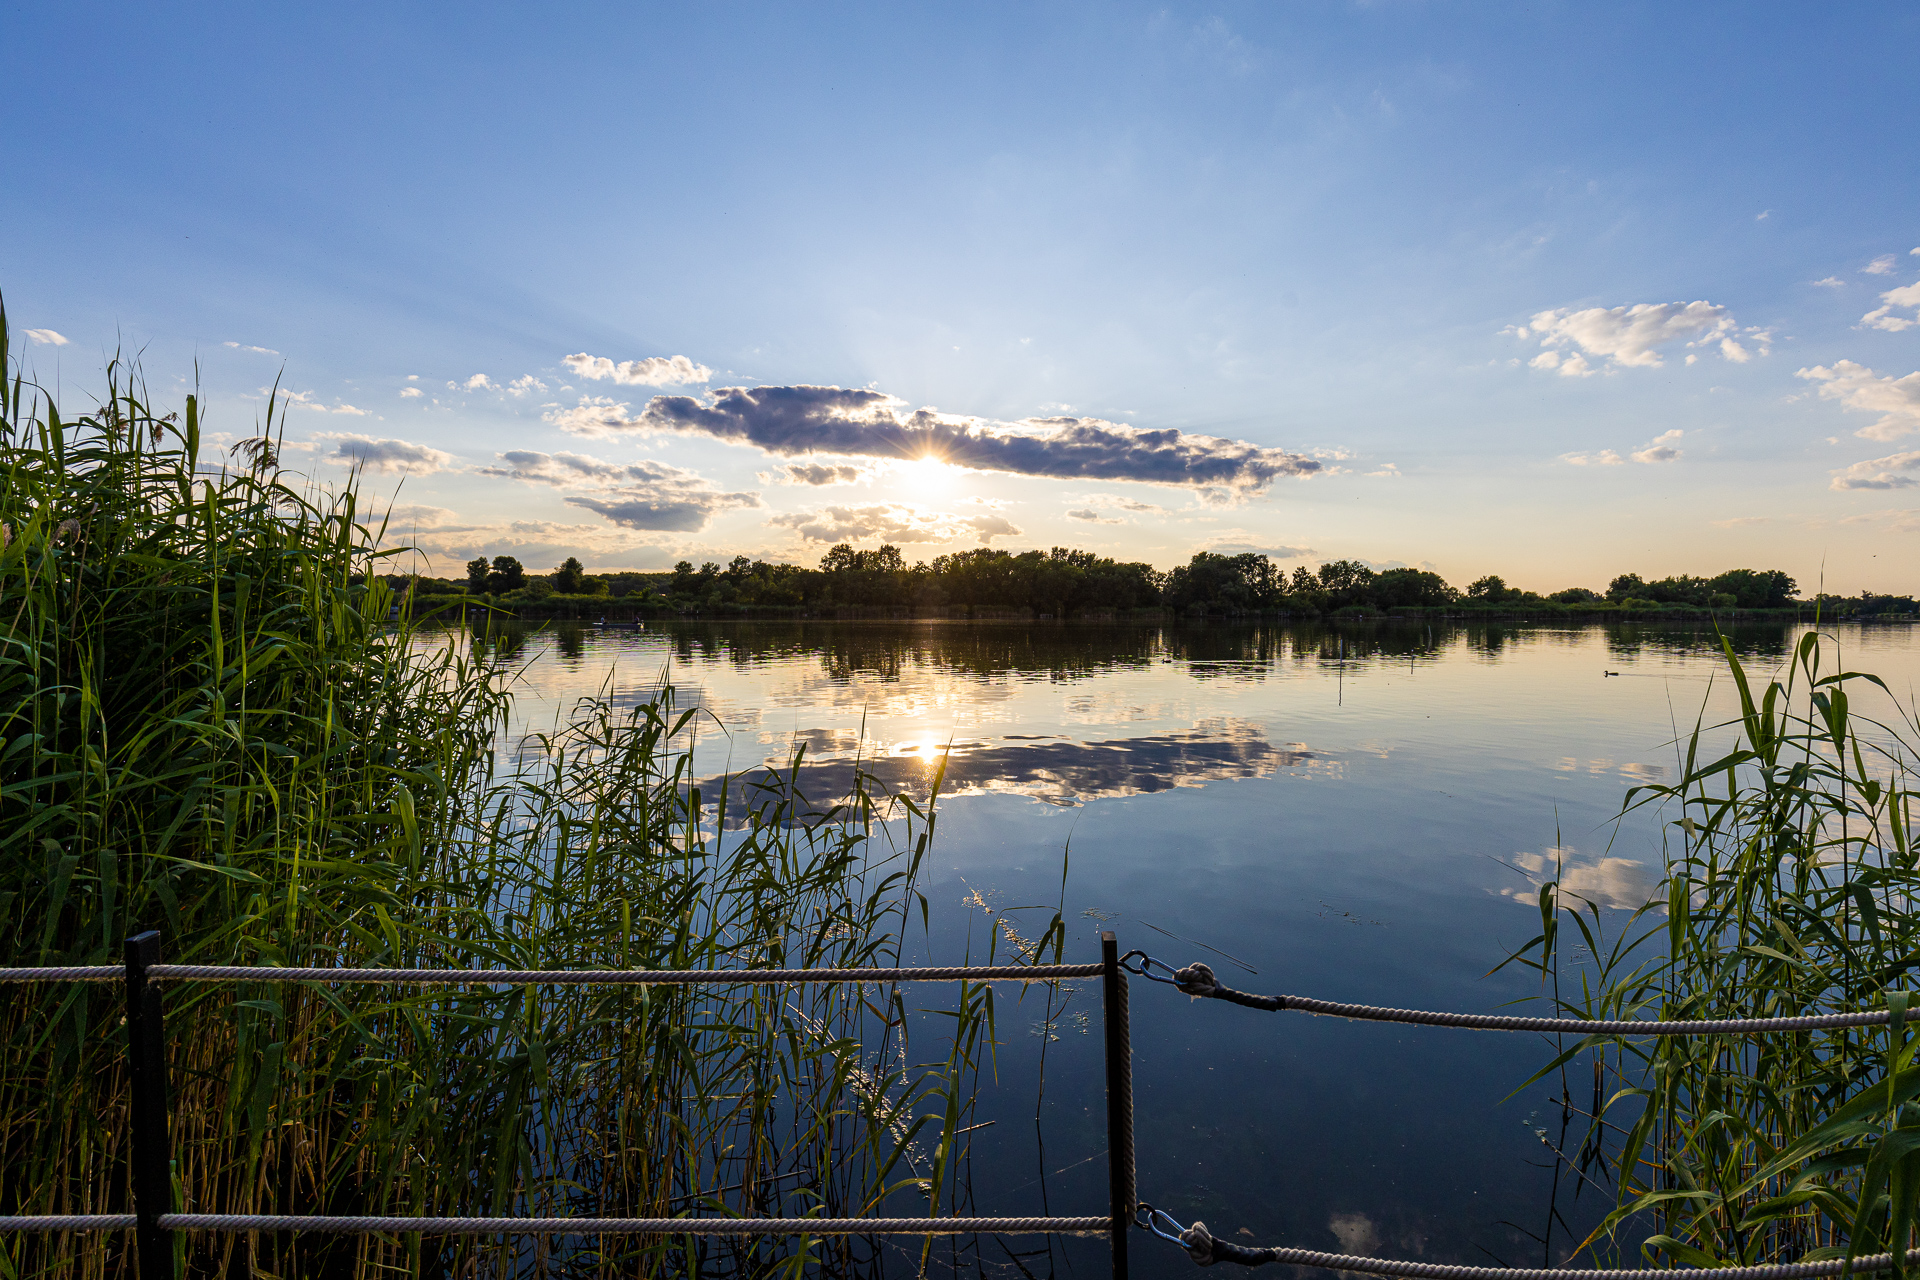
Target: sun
926, 475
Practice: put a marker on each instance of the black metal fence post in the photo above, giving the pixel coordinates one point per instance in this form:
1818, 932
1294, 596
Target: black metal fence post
1119, 1099
152, 1158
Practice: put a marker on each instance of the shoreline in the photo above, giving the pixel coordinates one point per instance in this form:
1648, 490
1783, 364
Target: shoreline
615, 612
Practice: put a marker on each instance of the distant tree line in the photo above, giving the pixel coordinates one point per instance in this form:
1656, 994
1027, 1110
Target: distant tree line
1064, 582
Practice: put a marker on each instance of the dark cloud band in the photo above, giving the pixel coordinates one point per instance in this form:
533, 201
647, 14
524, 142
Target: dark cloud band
800, 420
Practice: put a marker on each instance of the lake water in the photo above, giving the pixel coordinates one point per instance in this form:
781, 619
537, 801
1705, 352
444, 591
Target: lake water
1359, 812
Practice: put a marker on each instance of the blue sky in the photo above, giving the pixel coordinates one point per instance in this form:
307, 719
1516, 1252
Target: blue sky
1551, 291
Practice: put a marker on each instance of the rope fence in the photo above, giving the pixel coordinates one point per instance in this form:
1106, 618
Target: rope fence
1197, 979
150, 1158
150, 1162
552, 977
1205, 1251
244, 1222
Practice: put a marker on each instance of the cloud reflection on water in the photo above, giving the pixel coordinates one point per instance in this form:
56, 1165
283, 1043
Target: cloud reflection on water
1050, 768
1620, 883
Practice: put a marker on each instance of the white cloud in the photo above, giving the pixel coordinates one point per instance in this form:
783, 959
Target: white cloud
1883, 318
290, 399
1114, 501
1889, 472
1235, 542
572, 470
1093, 517
1573, 366
987, 528
1880, 266
522, 385
409, 393
1660, 448
819, 473
1831, 282
414, 515
479, 382
1855, 386
653, 371
264, 351
1891, 519
47, 337
892, 522
1387, 469
665, 509
537, 542
388, 456
1630, 337
635, 495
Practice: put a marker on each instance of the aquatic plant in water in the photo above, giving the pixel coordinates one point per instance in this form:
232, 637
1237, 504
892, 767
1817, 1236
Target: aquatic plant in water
1789, 890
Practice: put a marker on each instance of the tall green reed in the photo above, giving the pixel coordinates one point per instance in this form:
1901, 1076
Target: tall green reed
1789, 889
210, 722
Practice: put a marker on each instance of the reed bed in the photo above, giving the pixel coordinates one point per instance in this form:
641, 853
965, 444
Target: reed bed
210, 724
1790, 889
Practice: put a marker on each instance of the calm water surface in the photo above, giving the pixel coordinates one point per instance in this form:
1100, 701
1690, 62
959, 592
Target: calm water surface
1361, 813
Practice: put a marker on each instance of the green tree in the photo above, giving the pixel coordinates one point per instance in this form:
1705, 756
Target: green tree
1756, 588
1347, 582
1345, 575
477, 575
507, 575
1491, 589
1305, 592
570, 578
876, 577
1226, 584
1627, 584
1400, 588
1679, 589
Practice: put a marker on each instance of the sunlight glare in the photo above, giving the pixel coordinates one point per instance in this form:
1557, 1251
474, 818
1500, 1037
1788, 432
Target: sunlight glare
926, 475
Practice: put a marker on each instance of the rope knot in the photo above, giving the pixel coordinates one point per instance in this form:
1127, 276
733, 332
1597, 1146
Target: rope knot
1196, 979
1198, 1241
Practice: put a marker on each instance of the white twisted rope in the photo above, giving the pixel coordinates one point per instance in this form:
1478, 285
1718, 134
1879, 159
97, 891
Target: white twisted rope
553, 977
1197, 980
1206, 1251
67, 973
637, 1226
1586, 1026
237, 1222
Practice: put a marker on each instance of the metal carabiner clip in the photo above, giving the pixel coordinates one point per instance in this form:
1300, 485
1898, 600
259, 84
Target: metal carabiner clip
1145, 970
1145, 1215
